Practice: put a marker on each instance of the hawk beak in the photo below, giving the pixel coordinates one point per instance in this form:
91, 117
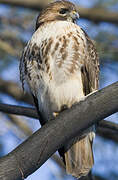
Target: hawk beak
74, 15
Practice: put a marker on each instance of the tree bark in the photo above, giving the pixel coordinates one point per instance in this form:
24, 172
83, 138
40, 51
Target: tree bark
106, 128
33, 152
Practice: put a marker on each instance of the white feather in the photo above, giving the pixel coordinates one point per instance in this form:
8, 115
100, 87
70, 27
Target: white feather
64, 88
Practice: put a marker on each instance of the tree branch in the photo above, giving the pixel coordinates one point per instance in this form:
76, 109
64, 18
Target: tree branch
93, 14
21, 22
4, 46
32, 113
105, 128
14, 90
21, 124
18, 110
109, 125
32, 153
10, 44
108, 133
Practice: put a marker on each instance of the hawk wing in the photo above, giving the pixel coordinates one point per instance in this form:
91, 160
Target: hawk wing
29, 64
90, 69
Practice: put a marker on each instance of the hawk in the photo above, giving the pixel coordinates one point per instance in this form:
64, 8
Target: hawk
60, 65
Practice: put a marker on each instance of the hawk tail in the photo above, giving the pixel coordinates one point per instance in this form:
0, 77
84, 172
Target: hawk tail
79, 158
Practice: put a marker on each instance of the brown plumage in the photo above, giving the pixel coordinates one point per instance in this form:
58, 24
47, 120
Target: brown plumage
51, 12
60, 66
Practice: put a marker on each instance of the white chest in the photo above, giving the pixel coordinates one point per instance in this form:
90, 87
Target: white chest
65, 87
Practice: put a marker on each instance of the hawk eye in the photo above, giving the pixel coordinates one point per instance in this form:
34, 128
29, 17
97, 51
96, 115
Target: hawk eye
63, 11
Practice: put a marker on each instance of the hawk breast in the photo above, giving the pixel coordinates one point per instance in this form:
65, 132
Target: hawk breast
60, 67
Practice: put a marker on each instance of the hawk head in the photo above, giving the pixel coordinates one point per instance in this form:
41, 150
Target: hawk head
59, 10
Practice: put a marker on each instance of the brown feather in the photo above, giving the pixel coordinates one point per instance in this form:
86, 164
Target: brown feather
51, 12
79, 158
90, 70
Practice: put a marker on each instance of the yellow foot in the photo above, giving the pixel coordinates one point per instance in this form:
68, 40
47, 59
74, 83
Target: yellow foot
55, 114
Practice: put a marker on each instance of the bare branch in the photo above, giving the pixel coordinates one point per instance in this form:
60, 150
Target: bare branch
109, 125
32, 113
98, 15
19, 110
105, 128
108, 133
4, 46
14, 90
58, 160
36, 4
93, 14
21, 22
32, 153
11, 44
21, 124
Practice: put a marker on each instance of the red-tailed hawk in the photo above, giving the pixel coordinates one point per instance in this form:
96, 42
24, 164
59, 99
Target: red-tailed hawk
60, 66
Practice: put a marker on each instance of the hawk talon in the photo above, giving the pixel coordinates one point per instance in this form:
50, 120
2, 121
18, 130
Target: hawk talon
64, 107
55, 114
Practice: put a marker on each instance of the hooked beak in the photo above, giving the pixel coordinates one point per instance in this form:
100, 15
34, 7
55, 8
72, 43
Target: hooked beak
74, 15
